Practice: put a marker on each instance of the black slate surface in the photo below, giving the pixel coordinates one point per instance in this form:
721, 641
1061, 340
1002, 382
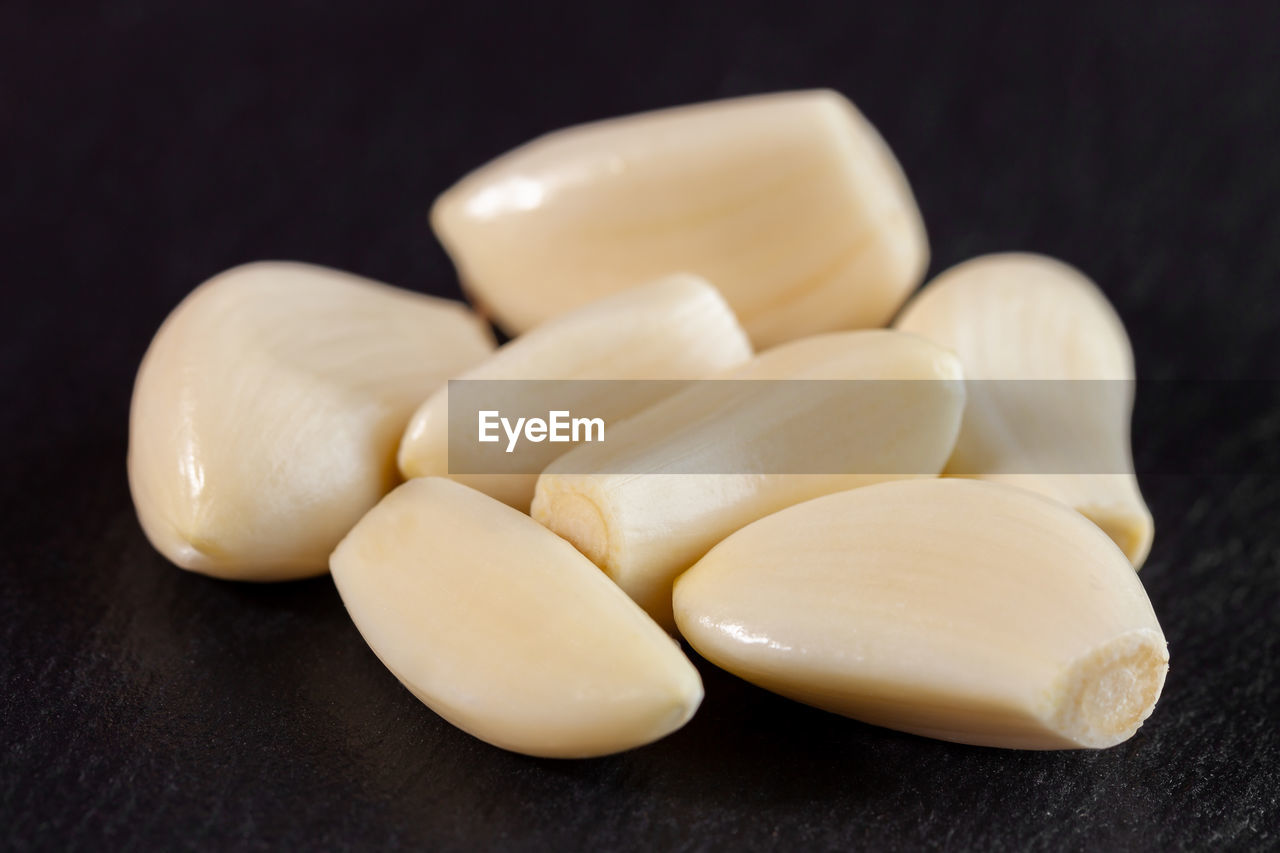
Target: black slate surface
145, 146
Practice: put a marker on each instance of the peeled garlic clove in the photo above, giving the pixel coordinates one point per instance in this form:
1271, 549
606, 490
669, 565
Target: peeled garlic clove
966, 611
678, 327
636, 507
267, 409
790, 203
505, 630
1028, 317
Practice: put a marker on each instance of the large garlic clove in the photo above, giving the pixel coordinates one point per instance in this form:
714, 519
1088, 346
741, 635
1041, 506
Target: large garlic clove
505, 630
955, 609
678, 327
681, 475
790, 203
267, 409
1027, 317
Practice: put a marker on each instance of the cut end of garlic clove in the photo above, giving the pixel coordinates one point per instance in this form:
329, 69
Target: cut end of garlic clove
1106, 695
267, 408
791, 203
574, 517
505, 630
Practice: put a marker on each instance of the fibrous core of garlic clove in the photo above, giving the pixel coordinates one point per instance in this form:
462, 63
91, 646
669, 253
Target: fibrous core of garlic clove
956, 609
790, 203
505, 630
678, 327
676, 478
268, 407
1017, 316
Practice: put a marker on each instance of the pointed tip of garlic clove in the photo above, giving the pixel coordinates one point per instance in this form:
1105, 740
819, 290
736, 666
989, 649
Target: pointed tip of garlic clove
1113, 502
1130, 526
791, 203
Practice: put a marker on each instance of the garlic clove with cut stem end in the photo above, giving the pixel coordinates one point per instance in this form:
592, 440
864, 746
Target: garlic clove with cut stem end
267, 409
676, 478
955, 609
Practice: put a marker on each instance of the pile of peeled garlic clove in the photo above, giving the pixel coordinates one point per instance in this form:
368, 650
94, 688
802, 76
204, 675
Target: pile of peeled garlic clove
934, 569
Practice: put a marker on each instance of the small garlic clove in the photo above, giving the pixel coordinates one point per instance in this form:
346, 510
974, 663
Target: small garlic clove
676, 478
505, 630
267, 409
678, 327
955, 609
1018, 316
790, 203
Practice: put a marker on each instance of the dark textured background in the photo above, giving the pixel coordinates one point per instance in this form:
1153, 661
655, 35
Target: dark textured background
145, 146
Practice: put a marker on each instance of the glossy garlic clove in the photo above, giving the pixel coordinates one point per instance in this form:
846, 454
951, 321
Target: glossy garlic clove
1028, 317
505, 630
678, 477
961, 610
678, 327
790, 203
267, 409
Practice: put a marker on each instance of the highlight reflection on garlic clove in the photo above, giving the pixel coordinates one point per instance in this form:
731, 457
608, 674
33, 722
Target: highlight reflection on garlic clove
505, 630
1021, 316
678, 327
790, 203
681, 475
268, 406
961, 610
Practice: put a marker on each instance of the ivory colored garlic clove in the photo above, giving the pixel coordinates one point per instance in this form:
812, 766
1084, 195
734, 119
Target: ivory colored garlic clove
1021, 316
790, 203
675, 479
955, 609
505, 630
267, 410
678, 327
